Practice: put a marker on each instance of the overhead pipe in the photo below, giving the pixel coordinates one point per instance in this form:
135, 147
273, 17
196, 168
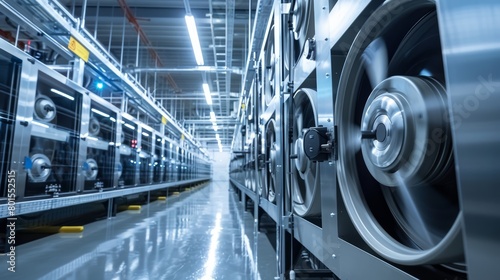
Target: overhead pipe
145, 40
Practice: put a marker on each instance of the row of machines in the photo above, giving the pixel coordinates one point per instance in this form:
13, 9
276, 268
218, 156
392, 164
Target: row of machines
61, 139
350, 132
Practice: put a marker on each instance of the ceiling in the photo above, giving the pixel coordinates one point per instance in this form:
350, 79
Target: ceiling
150, 40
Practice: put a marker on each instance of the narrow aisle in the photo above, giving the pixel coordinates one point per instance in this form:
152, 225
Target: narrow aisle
201, 234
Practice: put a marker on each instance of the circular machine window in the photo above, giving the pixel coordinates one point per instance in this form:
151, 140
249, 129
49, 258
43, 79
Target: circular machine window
40, 168
90, 169
395, 167
45, 108
94, 126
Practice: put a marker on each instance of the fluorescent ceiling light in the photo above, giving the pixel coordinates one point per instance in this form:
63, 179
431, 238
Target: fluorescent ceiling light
208, 97
112, 119
145, 134
127, 116
212, 117
217, 136
129, 126
148, 128
100, 113
62, 94
195, 41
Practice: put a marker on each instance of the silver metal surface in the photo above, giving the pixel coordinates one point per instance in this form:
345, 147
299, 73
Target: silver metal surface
327, 73
40, 170
45, 109
350, 257
409, 112
90, 169
469, 36
305, 190
432, 236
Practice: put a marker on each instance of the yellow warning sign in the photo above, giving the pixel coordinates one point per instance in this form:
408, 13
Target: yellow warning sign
78, 49
163, 120
182, 137
243, 106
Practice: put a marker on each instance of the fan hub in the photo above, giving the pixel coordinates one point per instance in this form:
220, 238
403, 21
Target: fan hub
403, 113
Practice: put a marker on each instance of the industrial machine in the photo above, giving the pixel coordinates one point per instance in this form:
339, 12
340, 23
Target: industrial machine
369, 113
59, 140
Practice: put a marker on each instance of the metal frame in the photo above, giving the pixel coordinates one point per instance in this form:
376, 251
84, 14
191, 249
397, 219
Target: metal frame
23, 123
471, 59
26, 207
473, 47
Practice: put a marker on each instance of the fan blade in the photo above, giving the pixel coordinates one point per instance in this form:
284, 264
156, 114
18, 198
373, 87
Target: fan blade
375, 61
299, 122
411, 205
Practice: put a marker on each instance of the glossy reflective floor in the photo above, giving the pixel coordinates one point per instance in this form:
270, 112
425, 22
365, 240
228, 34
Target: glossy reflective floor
200, 234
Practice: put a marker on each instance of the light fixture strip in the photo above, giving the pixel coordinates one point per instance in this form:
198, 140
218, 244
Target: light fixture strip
212, 117
148, 128
65, 95
127, 116
208, 97
129, 126
100, 113
195, 41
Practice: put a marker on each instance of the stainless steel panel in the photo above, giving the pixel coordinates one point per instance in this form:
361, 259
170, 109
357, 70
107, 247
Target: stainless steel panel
27, 85
98, 165
84, 142
157, 152
52, 155
270, 208
42, 130
326, 93
355, 263
311, 237
345, 19
128, 152
471, 46
10, 86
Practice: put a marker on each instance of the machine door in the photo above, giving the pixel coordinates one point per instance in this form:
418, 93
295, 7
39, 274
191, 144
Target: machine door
10, 74
98, 168
51, 161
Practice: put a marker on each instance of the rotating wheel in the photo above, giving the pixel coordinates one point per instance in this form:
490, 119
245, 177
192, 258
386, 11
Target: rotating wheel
305, 188
396, 162
45, 109
261, 174
94, 126
302, 23
90, 169
269, 66
40, 168
118, 170
270, 158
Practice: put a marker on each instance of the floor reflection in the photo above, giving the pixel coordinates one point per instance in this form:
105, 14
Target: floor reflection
202, 234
